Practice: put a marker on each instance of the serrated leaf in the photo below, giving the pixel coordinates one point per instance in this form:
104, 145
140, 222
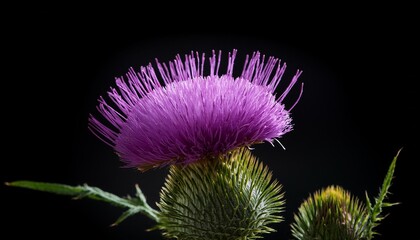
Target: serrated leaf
78, 192
375, 211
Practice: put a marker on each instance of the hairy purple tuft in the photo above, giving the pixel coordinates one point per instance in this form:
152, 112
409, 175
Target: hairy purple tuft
183, 116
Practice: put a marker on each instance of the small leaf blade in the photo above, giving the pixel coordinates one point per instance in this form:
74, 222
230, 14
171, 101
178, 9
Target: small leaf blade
61, 189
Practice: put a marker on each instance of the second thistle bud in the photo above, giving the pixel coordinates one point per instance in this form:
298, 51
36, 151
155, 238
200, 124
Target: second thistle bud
331, 214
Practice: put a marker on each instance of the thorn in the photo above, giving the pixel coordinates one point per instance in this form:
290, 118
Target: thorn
113, 225
398, 153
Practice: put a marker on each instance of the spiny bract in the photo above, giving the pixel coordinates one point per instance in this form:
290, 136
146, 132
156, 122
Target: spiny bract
331, 214
228, 198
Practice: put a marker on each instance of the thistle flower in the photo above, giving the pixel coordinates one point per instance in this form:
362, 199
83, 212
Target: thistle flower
183, 115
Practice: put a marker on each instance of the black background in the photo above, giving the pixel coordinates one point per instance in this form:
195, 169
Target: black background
358, 108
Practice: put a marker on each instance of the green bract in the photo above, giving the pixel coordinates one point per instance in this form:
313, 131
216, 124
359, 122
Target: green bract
232, 197
330, 214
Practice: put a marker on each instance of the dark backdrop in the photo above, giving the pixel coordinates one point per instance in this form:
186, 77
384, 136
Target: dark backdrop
357, 110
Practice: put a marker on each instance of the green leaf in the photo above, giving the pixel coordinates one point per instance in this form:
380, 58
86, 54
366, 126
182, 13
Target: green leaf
130, 212
375, 211
56, 188
133, 205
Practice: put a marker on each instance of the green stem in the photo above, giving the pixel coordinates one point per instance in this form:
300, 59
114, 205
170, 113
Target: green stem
133, 205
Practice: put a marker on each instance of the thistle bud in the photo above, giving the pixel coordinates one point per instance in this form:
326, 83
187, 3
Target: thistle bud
232, 197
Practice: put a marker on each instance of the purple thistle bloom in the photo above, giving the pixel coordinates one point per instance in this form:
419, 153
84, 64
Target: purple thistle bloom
192, 116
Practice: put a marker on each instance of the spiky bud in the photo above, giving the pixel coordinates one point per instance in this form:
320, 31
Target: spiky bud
231, 197
331, 214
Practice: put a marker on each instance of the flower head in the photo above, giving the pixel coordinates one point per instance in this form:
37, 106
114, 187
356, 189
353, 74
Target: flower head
332, 213
183, 115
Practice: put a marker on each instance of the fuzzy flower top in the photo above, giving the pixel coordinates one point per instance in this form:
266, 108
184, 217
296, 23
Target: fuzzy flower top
183, 116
